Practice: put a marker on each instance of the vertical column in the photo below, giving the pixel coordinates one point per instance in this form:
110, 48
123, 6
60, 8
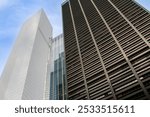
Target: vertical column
85, 83
142, 37
100, 57
121, 49
75, 74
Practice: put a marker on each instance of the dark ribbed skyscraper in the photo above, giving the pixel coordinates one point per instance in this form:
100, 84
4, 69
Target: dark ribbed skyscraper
107, 49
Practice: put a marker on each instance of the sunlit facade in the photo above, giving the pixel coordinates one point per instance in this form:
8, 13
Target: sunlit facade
25, 74
35, 68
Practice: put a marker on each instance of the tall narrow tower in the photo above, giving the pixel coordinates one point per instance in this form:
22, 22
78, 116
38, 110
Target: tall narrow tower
25, 74
107, 48
57, 70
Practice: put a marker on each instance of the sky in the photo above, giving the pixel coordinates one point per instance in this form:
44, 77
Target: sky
13, 13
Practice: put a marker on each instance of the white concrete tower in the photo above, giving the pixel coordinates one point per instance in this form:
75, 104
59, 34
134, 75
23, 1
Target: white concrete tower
25, 74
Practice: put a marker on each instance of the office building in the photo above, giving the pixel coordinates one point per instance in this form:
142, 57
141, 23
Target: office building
26, 73
57, 70
107, 49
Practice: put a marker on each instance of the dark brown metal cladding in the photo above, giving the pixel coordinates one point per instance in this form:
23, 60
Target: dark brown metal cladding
107, 47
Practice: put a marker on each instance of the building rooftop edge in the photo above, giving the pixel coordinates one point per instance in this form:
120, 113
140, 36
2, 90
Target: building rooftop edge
64, 1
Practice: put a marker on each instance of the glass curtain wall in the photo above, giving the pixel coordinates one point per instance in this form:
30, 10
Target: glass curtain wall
57, 74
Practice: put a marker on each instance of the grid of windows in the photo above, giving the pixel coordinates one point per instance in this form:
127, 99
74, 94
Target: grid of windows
107, 48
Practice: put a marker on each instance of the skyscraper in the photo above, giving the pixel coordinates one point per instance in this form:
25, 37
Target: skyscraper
57, 70
107, 49
25, 74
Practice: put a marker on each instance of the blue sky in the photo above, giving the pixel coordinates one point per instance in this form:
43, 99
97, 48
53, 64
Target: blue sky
14, 12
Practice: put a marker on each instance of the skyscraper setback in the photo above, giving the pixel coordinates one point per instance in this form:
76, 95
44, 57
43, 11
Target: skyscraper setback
107, 49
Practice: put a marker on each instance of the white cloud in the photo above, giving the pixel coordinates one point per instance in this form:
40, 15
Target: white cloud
7, 3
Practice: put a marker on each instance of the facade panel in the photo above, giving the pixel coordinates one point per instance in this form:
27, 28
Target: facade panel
112, 39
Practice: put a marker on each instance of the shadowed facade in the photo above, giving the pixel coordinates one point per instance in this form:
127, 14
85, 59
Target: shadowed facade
107, 49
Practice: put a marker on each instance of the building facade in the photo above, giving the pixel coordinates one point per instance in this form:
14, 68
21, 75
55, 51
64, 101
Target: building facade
35, 68
25, 74
107, 49
57, 70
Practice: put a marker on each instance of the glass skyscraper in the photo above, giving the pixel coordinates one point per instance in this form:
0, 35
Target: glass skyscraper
57, 70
